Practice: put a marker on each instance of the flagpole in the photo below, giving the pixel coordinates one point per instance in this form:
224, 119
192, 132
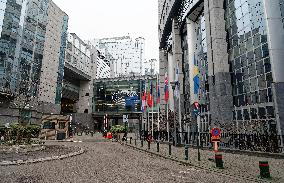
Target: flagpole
168, 128
153, 119
148, 122
158, 105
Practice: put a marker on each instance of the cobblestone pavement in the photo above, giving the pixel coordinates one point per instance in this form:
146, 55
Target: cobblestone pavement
234, 164
110, 162
51, 150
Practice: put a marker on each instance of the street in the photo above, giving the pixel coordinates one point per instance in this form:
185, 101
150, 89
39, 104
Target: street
106, 161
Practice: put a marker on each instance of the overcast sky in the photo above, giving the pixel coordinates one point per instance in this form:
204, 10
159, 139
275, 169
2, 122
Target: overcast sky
108, 18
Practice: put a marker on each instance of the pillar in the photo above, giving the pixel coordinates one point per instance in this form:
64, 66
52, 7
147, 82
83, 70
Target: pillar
221, 99
275, 32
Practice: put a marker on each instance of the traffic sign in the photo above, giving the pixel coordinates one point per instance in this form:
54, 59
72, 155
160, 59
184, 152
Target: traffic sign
215, 135
215, 132
125, 118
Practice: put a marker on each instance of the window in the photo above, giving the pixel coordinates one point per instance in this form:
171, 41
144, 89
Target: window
48, 125
62, 125
68, 57
270, 112
69, 46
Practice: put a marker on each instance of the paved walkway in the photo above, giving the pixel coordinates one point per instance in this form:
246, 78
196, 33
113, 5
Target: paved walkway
106, 161
234, 164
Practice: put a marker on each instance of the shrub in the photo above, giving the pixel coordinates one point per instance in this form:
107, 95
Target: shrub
118, 129
16, 133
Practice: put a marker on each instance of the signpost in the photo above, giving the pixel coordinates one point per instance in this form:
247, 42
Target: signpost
125, 120
215, 137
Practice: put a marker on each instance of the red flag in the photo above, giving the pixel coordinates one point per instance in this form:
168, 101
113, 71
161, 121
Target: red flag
144, 97
150, 100
166, 88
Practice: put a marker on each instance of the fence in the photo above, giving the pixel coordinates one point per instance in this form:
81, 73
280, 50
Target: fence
250, 142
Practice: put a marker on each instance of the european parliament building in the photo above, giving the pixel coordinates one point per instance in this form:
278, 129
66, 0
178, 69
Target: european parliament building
229, 56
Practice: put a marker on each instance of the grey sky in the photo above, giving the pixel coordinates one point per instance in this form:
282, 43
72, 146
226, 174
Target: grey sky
108, 18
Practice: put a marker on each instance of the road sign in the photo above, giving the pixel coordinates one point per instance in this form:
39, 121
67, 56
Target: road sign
196, 109
215, 135
125, 118
216, 132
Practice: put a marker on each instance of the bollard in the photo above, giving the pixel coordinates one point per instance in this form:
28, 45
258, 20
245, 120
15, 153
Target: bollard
158, 146
219, 160
149, 144
135, 142
130, 139
170, 149
264, 169
141, 143
186, 152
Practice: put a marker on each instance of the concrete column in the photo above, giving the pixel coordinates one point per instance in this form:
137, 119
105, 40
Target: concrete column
85, 97
163, 63
275, 32
177, 58
177, 51
171, 78
191, 42
221, 100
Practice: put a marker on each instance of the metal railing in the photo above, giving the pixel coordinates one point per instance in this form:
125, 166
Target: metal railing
248, 142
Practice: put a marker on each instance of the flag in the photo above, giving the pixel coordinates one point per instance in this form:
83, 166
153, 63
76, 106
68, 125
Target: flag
158, 93
177, 72
196, 79
166, 89
177, 82
144, 96
150, 100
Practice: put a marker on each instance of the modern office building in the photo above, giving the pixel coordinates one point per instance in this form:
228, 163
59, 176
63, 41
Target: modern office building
126, 55
103, 66
227, 56
115, 97
32, 49
79, 73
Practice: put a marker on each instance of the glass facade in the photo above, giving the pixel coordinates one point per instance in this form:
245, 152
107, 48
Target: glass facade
11, 25
250, 65
22, 27
120, 96
32, 46
61, 60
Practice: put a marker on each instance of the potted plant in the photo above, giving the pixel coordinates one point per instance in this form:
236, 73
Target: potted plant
118, 131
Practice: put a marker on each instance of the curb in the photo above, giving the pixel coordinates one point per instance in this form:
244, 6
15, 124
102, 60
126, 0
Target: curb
186, 163
21, 162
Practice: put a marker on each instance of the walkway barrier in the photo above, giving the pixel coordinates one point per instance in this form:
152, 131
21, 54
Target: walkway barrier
264, 169
170, 149
186, 152
219, 160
